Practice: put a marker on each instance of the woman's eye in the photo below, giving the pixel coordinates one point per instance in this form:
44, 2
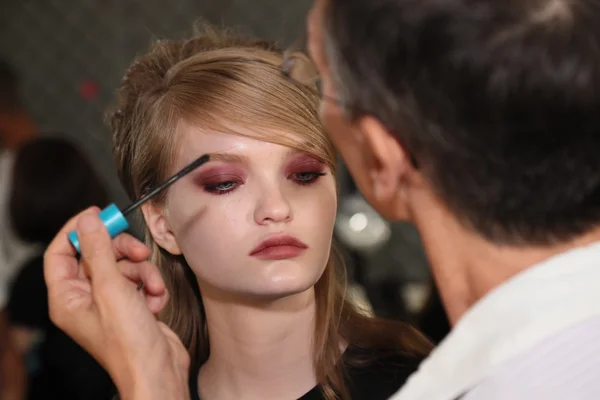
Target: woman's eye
307, 177
221, 187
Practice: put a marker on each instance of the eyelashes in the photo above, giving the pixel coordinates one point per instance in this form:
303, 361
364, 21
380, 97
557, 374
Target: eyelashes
306, 178
229, 183
221, 188
221, 184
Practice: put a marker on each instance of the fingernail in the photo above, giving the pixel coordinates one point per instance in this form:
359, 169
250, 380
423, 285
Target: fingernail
88, 223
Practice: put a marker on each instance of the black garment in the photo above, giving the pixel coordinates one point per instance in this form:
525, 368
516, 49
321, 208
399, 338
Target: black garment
375, 380
66, 371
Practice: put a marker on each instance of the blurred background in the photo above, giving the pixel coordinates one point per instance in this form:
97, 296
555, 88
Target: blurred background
70, 55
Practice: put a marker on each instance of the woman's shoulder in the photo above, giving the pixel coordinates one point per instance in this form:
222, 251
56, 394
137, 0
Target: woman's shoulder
377, 373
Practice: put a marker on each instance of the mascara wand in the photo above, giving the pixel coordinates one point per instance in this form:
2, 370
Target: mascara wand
114, 219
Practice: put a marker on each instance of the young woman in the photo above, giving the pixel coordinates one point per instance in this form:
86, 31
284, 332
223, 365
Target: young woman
258, 292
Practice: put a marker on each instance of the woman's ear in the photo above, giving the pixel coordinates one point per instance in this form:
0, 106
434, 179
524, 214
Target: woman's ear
158, 224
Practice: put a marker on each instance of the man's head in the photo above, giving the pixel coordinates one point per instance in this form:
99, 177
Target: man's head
491, 105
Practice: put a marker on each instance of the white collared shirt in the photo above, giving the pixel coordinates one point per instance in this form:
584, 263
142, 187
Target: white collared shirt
536, 336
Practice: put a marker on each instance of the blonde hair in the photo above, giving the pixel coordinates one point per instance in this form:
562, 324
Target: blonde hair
218, 80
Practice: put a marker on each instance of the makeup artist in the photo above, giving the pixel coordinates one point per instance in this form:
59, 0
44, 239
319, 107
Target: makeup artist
476, 121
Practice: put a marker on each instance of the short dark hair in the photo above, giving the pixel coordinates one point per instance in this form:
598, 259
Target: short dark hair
10, 98
498, 101
52, 181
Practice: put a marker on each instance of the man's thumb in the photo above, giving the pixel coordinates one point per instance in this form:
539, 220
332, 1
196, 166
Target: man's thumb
96, 250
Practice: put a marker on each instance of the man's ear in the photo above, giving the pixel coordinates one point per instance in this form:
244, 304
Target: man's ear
159, 227
388, 166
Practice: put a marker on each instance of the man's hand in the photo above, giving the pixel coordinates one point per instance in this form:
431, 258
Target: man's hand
97, 303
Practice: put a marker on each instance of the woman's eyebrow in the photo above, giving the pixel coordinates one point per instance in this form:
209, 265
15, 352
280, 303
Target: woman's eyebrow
227, 157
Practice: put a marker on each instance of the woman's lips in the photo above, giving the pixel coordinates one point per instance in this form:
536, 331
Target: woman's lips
279, 247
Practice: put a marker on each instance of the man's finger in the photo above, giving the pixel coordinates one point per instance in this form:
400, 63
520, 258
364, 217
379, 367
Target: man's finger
146, 273
97, 252
126, 246
60, 257
156, 303
149, 281
61, 244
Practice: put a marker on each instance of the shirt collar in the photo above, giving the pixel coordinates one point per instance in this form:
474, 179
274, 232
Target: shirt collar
538, 302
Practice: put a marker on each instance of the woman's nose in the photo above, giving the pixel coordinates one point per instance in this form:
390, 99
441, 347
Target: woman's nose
272, 206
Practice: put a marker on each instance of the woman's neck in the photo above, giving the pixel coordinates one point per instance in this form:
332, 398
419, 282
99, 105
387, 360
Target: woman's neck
259, 351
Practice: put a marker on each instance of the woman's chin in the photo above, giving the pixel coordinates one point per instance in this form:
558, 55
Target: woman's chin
274, 281
286, 280
281, 288
284, 288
